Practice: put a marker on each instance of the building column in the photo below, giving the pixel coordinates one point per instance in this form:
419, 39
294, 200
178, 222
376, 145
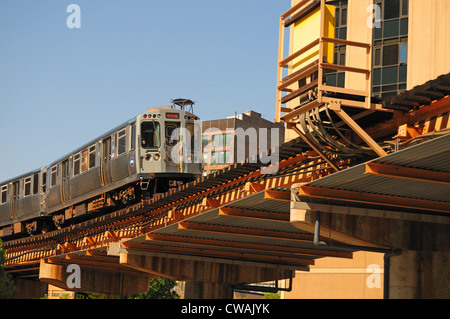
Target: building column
206, 278
111, 283
29, 289
419, 274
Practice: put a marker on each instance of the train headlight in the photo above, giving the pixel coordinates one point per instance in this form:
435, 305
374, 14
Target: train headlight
156, 157
148, 157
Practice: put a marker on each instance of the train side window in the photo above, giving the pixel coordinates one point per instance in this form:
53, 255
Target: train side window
53, 175
84, 160
76, 165
35, 184
4, 195
92, 151
122, 142
27, 186
133, 137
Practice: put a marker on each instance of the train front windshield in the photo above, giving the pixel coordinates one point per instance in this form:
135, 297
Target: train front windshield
150, 132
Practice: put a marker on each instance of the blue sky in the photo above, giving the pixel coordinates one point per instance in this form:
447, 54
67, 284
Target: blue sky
61, 87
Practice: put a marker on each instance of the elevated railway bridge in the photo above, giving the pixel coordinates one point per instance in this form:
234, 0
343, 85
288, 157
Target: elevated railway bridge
240, 226
360, 175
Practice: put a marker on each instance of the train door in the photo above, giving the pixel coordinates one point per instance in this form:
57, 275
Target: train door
15, 196
172, 137
43, 189
105, 167
65, 183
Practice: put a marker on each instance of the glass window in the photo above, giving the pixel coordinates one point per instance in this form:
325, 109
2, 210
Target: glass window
391, 9
376, 76
27, 186
341, 80
377, 60
65, 169
331, 79
84, 160
205, 158
35, 184
216, 140
390, 75
343, 33
390, 55
403, 53
402, 73
343, 16
53, 175
76, 165
342, 59
379, 32
404, 27
122, 142
92, 150
405, 7
391, 28
205, 140
133, 137
44, 181
214, 158
227, 157
16, 189
150, 132
4, 195
337, 21
227, 141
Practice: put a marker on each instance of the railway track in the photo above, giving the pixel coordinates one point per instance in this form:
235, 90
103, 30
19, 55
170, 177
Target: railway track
141, 217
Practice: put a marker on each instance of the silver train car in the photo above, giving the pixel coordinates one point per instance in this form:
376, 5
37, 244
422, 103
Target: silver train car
132, 161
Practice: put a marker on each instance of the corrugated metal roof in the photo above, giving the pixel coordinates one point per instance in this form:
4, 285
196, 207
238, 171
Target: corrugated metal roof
433, 155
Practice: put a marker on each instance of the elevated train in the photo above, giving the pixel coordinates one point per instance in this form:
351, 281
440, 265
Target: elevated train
131, 161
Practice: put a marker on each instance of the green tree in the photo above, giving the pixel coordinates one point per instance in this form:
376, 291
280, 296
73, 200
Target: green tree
7, 286
269, 295
159, 289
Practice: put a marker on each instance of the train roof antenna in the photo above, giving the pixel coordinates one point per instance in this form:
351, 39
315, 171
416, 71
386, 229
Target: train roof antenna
184, 104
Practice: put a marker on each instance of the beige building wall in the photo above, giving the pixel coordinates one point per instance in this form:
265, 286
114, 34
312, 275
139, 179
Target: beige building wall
358, 31
337, 278
429, 40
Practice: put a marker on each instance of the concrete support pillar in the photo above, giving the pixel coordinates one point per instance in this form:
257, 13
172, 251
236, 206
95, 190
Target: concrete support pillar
419, 274
29, 289
207, 290
206, 278
118, 284
420, 271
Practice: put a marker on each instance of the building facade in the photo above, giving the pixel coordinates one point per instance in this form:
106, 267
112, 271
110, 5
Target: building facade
237, 138
361, 53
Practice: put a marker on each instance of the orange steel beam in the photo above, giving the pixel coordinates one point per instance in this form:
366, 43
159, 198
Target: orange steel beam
385, 200
247, 213
257, 173
277, 195
244, 245
208, 228
209, 252
357, 129
414, 174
